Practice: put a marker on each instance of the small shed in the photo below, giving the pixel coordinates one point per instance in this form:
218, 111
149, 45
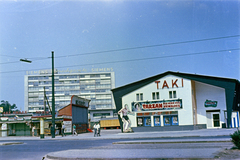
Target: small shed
78, 110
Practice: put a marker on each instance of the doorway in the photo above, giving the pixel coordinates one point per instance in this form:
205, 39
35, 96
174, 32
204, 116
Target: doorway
213, 119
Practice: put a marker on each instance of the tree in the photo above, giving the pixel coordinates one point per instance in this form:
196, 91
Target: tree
7, 107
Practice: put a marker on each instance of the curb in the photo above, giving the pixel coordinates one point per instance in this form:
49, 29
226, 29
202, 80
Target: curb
110, 137
171, 142
10, 143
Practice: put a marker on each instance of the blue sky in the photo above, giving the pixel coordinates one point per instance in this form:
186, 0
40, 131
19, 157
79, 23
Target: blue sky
32, 29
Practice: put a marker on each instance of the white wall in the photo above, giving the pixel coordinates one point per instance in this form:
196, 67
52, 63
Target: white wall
204, 92
183, 92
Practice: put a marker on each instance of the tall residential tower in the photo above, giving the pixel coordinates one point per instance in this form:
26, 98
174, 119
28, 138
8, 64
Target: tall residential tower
95, 86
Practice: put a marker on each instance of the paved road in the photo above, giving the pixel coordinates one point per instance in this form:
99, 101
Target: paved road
109, 148
114, 144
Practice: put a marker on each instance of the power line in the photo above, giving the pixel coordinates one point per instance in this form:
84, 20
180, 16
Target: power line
130, 48
149, 46
8, 56
142, 59
139, 59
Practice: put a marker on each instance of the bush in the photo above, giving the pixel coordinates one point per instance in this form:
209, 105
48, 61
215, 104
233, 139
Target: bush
236, 138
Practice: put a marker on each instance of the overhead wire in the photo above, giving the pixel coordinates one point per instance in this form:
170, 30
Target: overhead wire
139, 59
125, 49
149, 46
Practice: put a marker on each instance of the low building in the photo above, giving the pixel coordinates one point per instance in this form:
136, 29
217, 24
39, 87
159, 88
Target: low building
78, 110
75, 113
15, 124
21, 123
179, 101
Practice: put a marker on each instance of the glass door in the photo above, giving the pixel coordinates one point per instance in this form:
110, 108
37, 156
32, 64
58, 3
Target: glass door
167, 120
147, 121
174, 120
216, 120
157, 121
139, 121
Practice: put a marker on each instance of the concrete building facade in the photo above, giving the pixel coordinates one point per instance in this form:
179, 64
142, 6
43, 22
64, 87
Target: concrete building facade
95, 86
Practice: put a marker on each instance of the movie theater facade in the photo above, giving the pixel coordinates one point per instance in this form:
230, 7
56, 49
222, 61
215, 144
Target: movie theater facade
180, 101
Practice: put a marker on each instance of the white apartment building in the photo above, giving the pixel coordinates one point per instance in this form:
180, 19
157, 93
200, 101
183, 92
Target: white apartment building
95, 86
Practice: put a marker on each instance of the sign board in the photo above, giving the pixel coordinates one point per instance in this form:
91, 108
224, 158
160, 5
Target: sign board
20, 118
156, 105
1, 109
56, 71
68, 126
4, 126
80, 101
4, 118
209, 103
27, 118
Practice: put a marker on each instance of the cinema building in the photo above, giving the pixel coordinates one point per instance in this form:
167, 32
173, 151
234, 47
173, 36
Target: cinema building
180, 101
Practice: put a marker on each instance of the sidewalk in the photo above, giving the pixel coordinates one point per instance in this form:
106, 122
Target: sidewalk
191, 136
117, 134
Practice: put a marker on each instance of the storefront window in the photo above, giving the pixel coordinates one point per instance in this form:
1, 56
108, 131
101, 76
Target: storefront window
174, 120
166, 120
157, 121
147, 121
170, 120
139, 121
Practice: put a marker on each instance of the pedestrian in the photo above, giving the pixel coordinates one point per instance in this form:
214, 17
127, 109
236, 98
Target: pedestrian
63, 129
74, 130
33, 130
95, 129
98, 129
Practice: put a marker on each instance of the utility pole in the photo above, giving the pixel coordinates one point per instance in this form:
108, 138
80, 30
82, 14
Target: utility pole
53, 98
44, 101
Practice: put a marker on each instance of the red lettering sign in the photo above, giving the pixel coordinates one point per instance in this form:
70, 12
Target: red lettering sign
174, 83
157, 84
165, 84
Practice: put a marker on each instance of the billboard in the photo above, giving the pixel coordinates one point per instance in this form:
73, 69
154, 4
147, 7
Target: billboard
156, 105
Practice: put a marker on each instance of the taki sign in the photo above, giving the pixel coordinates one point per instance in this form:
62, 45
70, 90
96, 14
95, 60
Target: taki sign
175, 83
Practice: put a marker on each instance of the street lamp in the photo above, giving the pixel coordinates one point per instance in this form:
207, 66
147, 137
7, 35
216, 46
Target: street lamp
53, 98
25, 60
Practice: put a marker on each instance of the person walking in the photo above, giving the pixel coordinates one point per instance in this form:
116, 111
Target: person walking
98, 129
33, 130
95, 129
74, 130
63, 129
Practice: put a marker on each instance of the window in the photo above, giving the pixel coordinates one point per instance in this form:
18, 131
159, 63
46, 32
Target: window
101, 114
139, 96
147, 121
139, 121
170, 120
157, 121
172, 94
155, 95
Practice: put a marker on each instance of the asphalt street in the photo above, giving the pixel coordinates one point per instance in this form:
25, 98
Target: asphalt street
113, 145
